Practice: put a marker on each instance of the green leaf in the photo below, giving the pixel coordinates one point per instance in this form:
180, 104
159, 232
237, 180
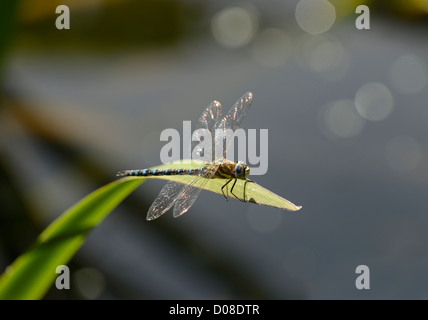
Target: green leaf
32, 273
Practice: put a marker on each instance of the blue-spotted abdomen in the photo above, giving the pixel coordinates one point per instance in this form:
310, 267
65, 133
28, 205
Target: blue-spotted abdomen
158, 172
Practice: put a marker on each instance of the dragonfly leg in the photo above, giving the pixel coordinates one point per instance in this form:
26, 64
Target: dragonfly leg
233, 186
245, 188
225, 186
231, 190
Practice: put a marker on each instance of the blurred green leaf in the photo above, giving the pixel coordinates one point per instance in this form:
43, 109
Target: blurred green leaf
7, 24
32, 273
107, 25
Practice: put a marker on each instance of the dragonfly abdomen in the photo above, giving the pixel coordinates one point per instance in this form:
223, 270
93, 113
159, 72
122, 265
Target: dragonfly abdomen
158, 172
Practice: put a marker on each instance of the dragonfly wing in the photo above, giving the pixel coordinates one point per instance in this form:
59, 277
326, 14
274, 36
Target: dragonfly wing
190, 192
232, 120
208, 121
165, 200
186, 201
210, 117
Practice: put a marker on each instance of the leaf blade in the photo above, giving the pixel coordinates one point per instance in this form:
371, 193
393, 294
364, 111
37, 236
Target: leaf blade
33, 272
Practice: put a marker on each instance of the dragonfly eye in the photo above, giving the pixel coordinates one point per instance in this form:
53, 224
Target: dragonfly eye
240, 170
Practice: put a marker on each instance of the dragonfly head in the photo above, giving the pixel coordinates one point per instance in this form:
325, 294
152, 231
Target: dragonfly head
242, 171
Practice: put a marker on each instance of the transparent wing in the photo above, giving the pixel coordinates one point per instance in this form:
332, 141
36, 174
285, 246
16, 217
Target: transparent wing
233, 119
208, 121
183, 196
210, 117
165, 200
186, 201
191, 191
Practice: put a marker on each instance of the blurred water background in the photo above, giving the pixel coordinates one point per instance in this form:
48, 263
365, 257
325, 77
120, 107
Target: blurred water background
347, 116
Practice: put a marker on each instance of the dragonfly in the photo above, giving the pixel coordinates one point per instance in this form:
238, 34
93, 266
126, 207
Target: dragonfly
182, 197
